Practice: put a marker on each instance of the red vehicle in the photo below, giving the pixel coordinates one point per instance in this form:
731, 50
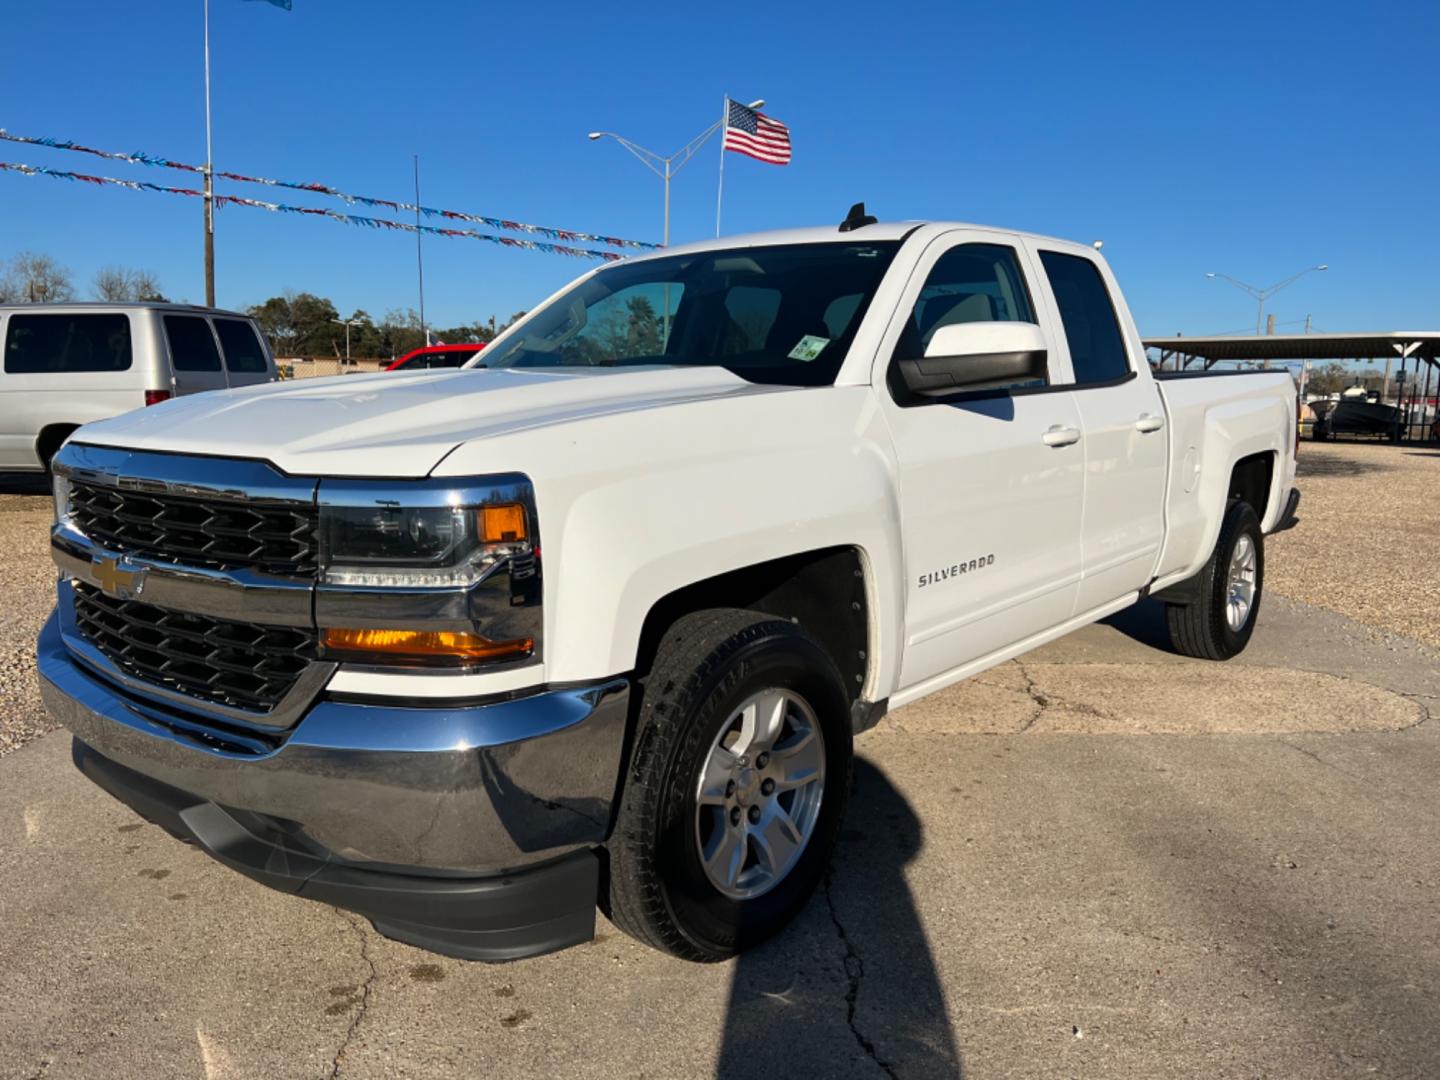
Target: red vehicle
435, 356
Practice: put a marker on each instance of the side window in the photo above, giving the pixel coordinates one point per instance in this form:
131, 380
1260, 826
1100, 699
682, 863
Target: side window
1097, 348
752, 314
839, 314
243, 353
192, 345
970, 283
56, 343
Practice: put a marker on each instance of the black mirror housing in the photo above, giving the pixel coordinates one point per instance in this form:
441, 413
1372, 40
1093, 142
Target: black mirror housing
941, 376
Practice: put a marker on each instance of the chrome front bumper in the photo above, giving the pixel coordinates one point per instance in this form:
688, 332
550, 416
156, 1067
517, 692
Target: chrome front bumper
446, 789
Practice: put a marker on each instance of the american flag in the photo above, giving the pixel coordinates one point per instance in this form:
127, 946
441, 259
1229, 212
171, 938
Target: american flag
756, 135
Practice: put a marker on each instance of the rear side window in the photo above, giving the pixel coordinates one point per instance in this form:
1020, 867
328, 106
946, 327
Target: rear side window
243, 353
1097, 348
192, 345
48, 344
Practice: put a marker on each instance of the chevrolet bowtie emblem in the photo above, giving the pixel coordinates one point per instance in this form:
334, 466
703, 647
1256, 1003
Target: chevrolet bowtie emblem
115, 580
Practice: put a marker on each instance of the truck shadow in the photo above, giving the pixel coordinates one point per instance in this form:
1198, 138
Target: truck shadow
1144, 623
862, 933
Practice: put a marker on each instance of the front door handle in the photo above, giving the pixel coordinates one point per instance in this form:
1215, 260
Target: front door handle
1148, 423
1060, 435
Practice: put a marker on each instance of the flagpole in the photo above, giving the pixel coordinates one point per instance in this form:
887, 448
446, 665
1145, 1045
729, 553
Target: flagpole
720, 187
419, 255
209, 178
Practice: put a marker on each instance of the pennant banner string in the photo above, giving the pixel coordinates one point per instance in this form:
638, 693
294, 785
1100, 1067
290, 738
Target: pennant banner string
504, 224
333, 215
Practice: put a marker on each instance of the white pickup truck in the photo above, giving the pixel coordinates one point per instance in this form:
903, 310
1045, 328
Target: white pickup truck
595, 620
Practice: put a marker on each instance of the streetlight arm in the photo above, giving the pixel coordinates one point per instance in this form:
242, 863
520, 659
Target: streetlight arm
682, 156
651, 160
1292, 279
1258, 294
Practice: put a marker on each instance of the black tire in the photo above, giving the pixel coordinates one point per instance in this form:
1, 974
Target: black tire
49, 443
706, 665
1199, 628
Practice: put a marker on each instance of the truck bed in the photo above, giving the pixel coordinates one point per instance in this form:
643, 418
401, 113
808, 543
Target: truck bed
1216, 419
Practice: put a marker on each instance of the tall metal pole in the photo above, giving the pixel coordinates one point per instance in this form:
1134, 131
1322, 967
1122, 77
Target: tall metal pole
209, 199
419, 255
720, 184
665, 231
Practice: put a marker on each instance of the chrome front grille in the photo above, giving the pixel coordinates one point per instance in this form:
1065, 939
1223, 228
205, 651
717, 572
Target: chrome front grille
238, 664
219, 533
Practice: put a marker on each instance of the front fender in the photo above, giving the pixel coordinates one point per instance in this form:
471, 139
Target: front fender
637, 506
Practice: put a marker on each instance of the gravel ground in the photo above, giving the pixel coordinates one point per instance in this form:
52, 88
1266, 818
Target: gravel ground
26, 597
1368, 542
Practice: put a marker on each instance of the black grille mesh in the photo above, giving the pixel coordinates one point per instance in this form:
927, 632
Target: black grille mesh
239, 664
276, 539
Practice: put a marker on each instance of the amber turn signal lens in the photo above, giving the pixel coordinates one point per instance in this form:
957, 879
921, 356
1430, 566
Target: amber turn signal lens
433, 646
504, 524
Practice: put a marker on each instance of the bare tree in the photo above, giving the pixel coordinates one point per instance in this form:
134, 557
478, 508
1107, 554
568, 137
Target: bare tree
35, 279
121, 283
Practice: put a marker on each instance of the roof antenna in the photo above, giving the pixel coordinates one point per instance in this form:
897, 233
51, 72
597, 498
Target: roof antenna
857, 218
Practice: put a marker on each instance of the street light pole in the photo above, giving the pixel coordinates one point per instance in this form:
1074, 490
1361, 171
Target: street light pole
347, 323
666, 167
1261, 295
209, 199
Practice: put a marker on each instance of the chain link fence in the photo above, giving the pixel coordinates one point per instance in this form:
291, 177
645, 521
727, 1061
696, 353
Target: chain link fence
310, 367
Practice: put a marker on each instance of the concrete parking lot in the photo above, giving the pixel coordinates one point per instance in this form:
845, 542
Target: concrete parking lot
1104, 860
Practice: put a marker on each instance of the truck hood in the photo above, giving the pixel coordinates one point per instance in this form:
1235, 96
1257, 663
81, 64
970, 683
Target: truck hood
397, 424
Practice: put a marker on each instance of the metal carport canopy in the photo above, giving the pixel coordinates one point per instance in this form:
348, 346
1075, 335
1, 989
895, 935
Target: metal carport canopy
1359, 346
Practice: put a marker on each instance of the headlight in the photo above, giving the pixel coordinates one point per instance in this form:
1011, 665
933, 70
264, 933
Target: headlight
451, 546
429, 572
60, 486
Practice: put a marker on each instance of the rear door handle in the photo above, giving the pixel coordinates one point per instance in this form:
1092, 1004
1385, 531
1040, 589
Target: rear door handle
1060, 435
1148, 423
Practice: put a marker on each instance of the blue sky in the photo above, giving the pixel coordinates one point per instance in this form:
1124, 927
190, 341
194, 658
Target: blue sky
1252, 139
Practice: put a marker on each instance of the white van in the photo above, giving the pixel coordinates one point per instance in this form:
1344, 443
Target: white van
68, 364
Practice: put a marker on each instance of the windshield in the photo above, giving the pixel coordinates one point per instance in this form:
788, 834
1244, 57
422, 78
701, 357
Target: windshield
783, 314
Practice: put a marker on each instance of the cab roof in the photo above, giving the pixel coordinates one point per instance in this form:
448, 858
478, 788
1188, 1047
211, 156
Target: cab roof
823, 234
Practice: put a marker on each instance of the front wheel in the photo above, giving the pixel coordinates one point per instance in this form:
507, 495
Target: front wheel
1218, 623
736, 788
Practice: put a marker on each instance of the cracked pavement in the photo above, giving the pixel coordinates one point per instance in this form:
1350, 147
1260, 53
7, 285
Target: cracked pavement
1103, 861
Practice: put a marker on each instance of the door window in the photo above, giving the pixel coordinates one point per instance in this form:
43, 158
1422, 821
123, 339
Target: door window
969, 283
192, 345
46, 344
1097, 347
243, 353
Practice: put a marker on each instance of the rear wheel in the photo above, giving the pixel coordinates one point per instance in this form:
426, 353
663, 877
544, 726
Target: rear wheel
737, 785
49, 443
1218, 623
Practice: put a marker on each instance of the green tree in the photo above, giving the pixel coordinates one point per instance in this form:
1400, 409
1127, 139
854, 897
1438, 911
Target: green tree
1330, 379
300, 324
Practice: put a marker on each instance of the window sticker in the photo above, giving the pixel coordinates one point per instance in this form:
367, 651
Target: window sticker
809, 348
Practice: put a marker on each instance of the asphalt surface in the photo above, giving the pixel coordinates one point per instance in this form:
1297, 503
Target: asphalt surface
1105, 861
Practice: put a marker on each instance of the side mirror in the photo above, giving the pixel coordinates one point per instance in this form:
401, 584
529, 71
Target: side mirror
976, 356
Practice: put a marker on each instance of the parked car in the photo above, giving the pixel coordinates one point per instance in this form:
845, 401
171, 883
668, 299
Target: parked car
69, 364
436, 356
1356, 416
782, 484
